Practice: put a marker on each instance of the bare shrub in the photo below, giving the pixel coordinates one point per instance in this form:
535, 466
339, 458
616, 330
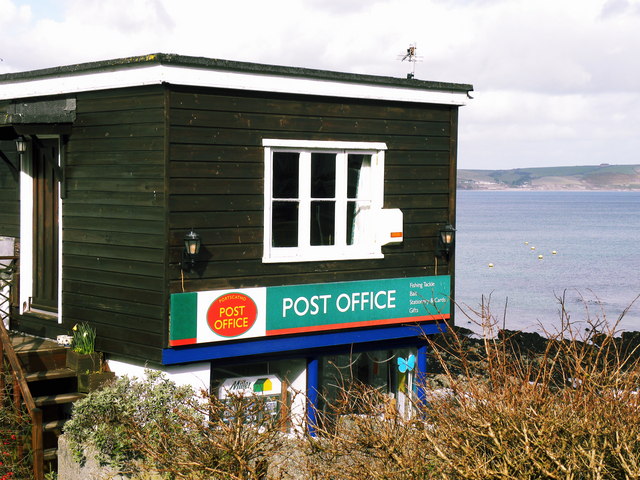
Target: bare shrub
231, 439
15, 433
363, 436
507, 405
568, 411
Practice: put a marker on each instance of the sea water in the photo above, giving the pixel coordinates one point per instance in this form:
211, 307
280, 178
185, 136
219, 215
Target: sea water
504, 252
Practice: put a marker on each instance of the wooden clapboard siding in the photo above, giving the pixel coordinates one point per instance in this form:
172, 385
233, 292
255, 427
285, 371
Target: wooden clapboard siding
216, 181
114, 221
302, 277
453, 182
207, 120
280, 105
144, 165
9, 192
228, 136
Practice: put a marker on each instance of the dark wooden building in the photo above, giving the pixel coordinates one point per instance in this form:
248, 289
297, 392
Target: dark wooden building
318, 198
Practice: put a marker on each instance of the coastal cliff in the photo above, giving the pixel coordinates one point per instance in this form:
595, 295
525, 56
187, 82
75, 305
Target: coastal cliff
587, 177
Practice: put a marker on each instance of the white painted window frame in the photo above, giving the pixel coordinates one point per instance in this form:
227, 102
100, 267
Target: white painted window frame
26, 233
366, 247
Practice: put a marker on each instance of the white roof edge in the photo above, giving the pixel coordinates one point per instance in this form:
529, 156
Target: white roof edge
217, 78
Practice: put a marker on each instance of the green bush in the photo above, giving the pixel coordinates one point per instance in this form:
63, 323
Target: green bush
104, 418
152, 425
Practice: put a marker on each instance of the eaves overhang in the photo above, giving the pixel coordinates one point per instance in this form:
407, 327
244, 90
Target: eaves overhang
203, 72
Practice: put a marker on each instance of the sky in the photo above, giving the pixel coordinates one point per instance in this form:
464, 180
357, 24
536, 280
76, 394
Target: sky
556, 82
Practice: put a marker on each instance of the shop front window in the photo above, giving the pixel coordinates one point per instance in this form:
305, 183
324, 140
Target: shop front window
274, 385
384, 370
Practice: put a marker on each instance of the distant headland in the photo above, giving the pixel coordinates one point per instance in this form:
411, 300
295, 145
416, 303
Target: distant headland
587, 177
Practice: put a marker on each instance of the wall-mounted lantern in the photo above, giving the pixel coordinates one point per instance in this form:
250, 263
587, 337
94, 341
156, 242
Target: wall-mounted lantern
445, 241
191, 250
21, 144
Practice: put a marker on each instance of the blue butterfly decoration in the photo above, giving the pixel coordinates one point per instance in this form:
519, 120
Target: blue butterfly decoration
407, 364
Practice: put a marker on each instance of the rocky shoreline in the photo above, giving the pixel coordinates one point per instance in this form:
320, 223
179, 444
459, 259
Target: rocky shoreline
461, 347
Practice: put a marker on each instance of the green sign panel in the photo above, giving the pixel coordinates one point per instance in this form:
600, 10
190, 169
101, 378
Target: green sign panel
222, 315
304, 308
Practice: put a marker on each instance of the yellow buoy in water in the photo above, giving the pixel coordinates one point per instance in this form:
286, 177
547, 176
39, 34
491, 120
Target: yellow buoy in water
539, 257
526, 243
491, 265
533, 248
554, 252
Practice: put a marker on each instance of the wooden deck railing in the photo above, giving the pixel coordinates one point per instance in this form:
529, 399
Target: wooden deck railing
21, 392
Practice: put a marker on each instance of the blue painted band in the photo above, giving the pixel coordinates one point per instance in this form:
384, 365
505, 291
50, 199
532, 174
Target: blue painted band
421, 373
313, 386
271, 345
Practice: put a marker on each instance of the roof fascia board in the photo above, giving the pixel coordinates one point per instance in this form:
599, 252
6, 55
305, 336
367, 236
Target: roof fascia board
308, 86
83, 82
154, 74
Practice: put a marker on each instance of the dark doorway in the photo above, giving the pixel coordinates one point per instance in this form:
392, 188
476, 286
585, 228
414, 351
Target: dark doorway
45, 226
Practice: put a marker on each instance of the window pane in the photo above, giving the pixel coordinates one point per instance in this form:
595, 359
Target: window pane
356, 221
284, 224
356, 163
323, 175
323, 223
351, 215
285, 174
358, 178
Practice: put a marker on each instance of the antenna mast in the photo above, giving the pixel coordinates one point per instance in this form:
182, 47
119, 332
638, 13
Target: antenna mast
411, 56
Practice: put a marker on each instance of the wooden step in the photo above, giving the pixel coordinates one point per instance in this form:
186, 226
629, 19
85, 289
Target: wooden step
50, 374
37, 354
58, 399
50, 454
28, 343
53, 424
43, 360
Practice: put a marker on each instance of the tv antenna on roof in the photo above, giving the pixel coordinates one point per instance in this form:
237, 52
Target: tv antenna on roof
411, 56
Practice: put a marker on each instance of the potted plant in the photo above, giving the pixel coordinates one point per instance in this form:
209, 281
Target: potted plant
85, 361
82, 357
90, 381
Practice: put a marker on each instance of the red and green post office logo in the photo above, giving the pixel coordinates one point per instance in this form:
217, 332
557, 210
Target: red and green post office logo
232, 314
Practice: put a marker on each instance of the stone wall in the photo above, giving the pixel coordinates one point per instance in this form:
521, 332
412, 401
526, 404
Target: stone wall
69, 469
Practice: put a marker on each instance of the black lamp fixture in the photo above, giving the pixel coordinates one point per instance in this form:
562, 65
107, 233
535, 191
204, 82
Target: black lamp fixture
191, 250
21, 144
445, 241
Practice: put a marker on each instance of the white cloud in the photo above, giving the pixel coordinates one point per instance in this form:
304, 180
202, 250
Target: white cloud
132, 17
555, 81
12, 13
613, 8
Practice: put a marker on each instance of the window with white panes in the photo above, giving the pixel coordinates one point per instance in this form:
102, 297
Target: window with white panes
321, 199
